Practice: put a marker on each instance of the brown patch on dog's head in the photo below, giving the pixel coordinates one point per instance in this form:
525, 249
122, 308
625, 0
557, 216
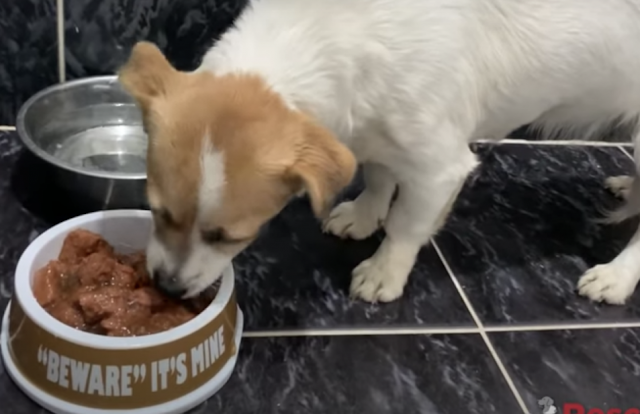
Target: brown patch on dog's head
225, 156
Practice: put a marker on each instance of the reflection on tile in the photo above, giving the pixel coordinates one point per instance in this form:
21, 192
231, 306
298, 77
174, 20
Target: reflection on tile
297, 277
522, 232
17, 229
17, 226
43, 198
100, 33
13, 400
28, 59
615, 133
349, 375
596, 368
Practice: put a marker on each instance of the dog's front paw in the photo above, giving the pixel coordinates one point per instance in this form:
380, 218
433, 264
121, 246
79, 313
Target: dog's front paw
374, 280
354, 219
620, 185
608, 283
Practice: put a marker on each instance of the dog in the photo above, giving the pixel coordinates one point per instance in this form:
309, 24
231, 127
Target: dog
297, 94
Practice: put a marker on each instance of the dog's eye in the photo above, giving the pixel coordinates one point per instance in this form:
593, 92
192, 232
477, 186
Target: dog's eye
213, 236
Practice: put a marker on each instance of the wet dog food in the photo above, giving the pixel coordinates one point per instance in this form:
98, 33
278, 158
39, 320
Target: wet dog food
92, 288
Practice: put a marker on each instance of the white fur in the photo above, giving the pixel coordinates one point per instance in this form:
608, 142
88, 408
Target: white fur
620, 185
212, 178
407, 84
205, 262
203, 267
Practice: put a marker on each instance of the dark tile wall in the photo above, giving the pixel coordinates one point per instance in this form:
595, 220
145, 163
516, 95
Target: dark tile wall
28, 52
98, 37
100, 33
615, 133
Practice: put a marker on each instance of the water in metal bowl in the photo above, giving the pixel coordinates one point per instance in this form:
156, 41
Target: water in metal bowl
118, 148
90, 131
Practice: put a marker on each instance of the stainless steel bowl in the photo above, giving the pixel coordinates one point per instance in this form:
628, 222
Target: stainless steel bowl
90, 131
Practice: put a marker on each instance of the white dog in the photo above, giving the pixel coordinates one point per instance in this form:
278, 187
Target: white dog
298, 92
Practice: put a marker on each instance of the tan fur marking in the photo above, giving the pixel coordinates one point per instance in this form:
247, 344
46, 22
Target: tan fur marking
270, 152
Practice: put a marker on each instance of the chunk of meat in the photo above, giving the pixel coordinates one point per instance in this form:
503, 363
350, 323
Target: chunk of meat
128, 324
67, 313
96, 290
81, 243
46, 286
138, 261
169, 317
147, 296
102, 302
99, 269
202, 301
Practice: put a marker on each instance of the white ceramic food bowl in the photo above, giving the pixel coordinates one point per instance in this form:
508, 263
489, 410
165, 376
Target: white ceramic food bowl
73, 372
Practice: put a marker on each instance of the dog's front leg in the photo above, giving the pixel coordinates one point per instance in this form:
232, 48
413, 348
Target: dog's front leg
425, 195
616, 281
360, 218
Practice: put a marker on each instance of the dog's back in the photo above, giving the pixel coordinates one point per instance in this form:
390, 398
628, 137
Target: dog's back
509, 60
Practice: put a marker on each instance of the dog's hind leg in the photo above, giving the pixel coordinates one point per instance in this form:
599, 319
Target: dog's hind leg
620, 185
616, 281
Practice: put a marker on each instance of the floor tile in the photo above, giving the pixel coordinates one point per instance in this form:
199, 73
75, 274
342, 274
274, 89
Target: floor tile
390, 374
630, 150
100, 33
28, 52
17, 226
297, 277
595, 368
522, 232
13, 400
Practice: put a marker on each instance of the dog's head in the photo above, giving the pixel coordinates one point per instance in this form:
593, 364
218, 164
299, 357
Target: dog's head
225, 156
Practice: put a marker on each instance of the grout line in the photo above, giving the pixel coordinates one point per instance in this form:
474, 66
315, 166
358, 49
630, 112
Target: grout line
7, 128
563, 327
627, 153
482, 331
552, 142
61, 43
362, 332
386, 331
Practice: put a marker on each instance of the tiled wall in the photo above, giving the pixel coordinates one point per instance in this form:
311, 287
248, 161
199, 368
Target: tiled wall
93, 37
97, 37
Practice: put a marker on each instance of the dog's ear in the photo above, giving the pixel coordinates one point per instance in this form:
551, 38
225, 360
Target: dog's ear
147, 73
324, 166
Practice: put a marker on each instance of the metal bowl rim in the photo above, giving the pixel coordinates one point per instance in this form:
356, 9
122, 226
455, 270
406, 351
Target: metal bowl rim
38, 151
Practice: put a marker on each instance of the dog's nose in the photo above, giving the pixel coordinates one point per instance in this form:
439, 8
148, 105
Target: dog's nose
169, 285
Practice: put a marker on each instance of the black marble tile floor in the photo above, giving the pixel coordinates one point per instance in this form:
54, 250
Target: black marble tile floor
524, 230
520, 235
